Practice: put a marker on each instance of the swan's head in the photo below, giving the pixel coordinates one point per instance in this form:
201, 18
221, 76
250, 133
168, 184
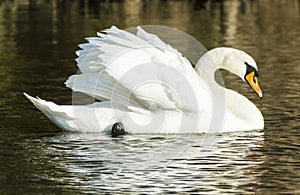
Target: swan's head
241, 64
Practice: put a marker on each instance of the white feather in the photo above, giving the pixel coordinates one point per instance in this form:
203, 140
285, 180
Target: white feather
119, 53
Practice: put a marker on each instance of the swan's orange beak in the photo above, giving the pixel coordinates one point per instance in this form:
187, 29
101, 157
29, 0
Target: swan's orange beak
253, 82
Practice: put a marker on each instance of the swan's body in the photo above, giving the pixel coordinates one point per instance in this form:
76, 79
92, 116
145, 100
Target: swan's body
151, 88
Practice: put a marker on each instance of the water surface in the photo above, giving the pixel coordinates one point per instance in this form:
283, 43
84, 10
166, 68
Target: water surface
38, 40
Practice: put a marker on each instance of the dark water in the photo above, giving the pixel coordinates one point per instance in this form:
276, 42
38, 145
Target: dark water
38, 40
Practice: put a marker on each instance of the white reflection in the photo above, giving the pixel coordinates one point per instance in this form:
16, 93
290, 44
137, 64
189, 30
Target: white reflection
97, 161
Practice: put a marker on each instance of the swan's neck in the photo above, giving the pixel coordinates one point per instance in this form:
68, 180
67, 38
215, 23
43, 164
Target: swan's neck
238, 108
216, 59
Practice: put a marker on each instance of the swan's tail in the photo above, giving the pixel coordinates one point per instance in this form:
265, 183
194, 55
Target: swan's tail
96, 117
62, 117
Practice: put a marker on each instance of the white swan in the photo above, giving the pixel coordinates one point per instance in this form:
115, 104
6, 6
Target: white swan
151, 88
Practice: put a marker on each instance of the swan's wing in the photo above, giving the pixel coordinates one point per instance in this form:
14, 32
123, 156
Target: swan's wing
119, 66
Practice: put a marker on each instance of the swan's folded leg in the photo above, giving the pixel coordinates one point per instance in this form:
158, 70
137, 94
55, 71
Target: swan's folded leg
62, 116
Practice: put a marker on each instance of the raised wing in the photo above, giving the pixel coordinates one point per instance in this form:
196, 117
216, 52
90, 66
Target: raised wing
134, 71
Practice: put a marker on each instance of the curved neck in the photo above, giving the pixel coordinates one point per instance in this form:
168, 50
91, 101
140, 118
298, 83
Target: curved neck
240, 109
220, 58
208, 64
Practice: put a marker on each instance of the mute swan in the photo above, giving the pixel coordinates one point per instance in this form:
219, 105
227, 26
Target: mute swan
149, 87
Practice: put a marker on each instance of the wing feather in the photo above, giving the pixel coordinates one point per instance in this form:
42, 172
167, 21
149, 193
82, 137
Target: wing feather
106, 61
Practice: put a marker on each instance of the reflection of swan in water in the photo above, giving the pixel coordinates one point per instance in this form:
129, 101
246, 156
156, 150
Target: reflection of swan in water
119, 65
171, 162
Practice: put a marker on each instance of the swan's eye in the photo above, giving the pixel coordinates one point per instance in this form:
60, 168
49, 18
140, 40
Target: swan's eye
250, 69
